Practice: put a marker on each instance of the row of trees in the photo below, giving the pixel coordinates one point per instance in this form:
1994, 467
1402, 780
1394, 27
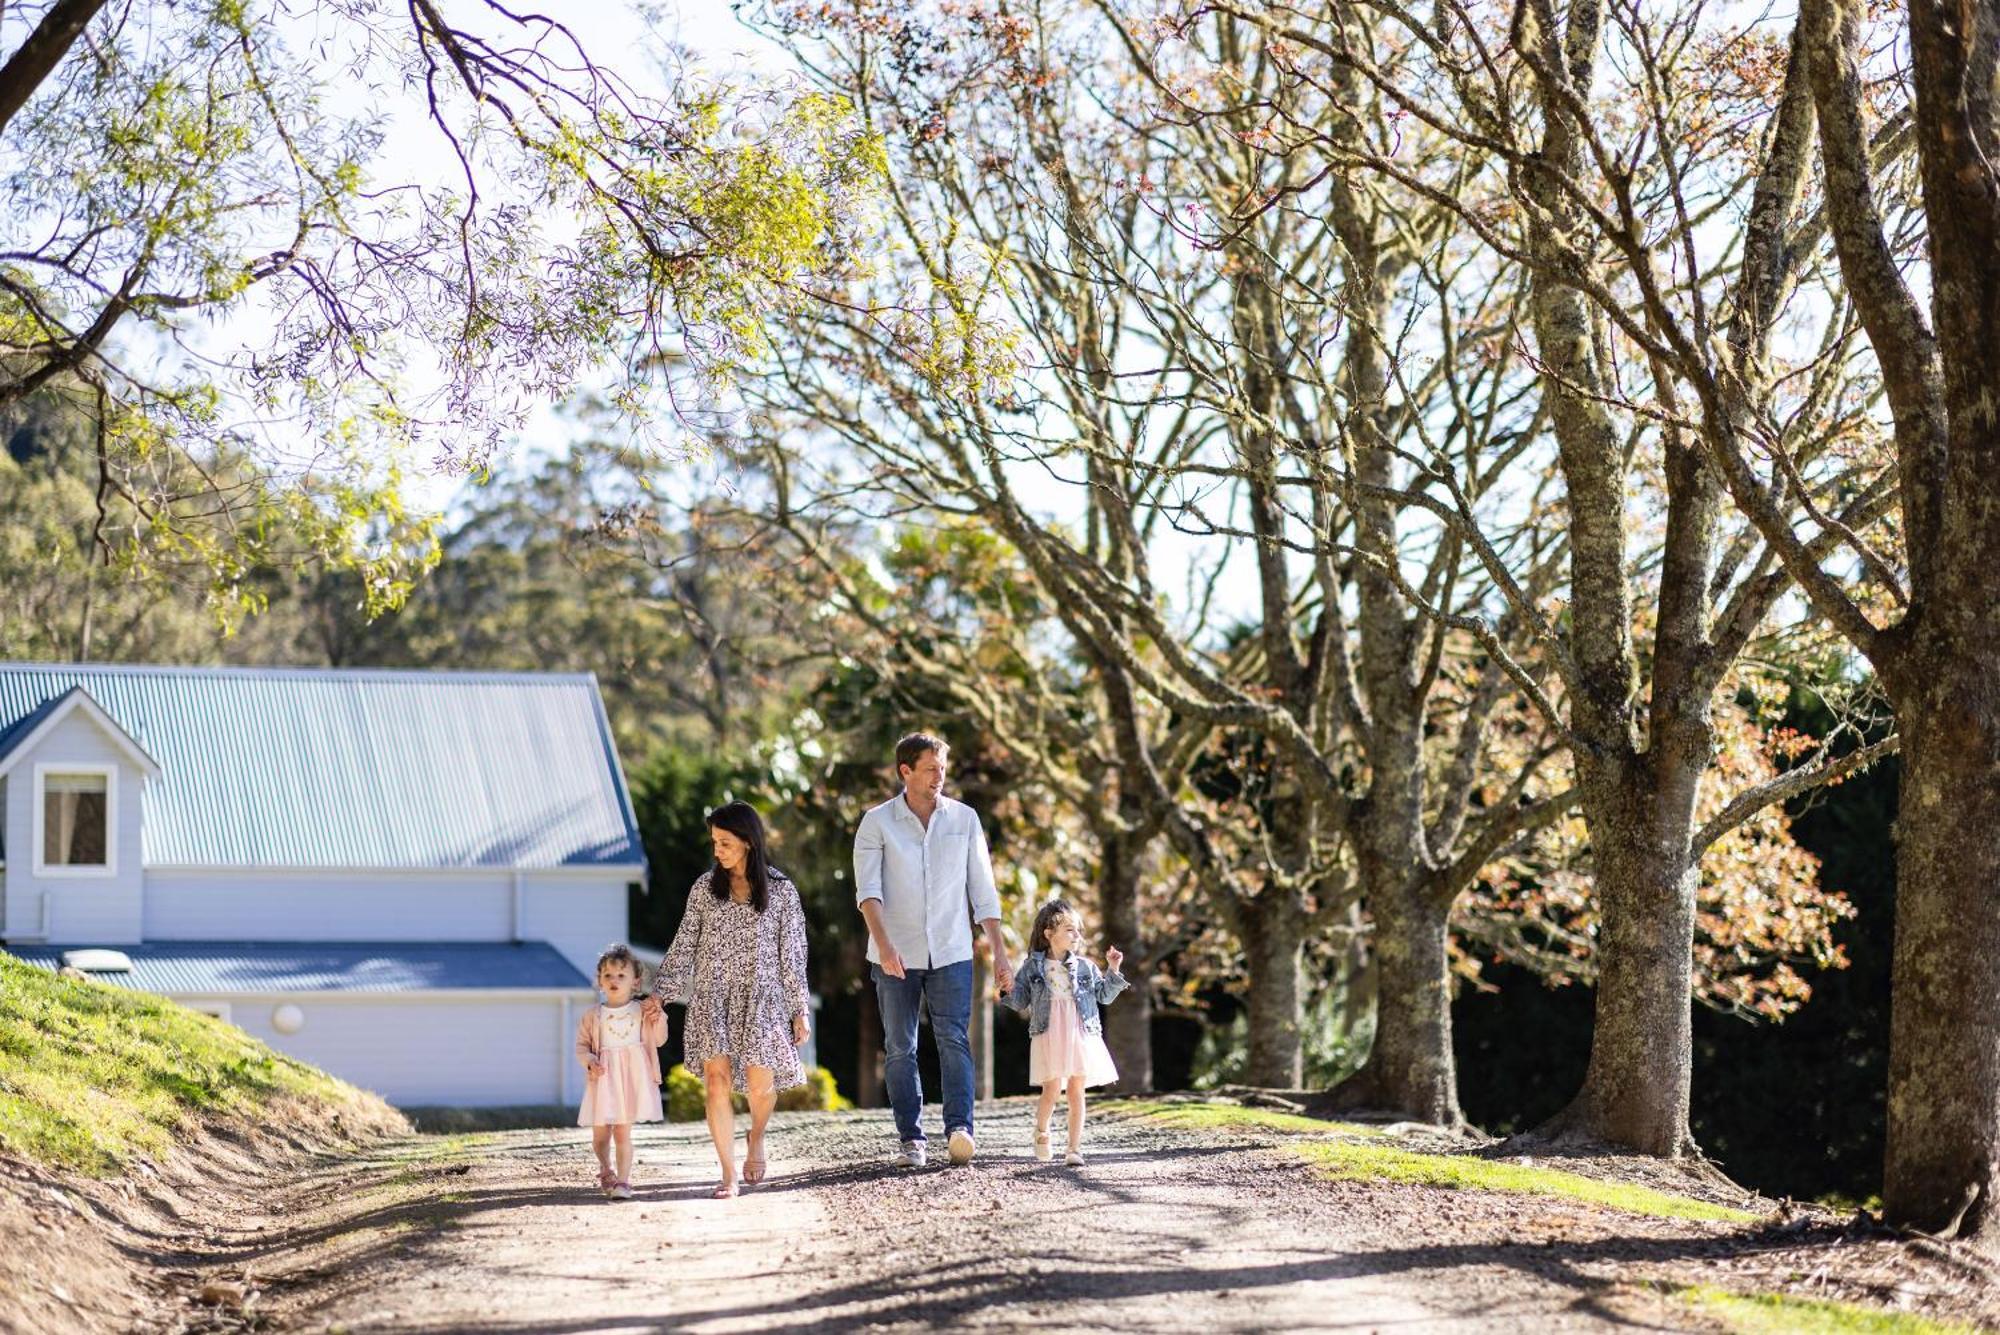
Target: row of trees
1445, 422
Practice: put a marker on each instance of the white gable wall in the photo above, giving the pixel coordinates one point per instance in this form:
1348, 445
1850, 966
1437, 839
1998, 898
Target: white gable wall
82, 906
577, 915
578, 912
448, 1050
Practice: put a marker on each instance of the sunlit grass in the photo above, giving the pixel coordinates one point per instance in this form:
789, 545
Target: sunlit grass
91, 1075
1225, 1116
1348, 1152
1774, 1314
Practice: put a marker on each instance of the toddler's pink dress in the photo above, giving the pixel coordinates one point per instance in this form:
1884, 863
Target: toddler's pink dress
628, 1088
1064, 1049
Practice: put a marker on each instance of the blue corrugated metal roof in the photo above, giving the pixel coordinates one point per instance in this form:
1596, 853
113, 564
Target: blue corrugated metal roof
14, 732
297, 767
180, 967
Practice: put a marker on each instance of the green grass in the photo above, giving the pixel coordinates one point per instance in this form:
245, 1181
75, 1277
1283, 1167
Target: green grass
1227, 1117
1773, 1314
1345, 1151
91, 1075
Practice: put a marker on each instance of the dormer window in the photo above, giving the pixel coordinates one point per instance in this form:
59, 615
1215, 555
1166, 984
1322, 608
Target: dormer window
75, 833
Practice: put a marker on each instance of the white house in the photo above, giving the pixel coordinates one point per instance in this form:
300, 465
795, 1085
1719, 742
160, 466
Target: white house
402, 877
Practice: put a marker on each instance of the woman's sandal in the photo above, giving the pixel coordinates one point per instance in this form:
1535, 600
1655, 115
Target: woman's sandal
753, 1171
724, 1191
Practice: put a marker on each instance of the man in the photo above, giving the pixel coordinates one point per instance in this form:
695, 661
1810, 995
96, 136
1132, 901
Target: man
921, 877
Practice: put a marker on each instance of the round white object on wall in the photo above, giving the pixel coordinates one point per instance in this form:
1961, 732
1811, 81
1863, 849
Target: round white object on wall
288, 1019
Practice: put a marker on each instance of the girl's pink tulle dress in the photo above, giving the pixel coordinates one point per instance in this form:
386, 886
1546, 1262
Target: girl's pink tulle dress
1064, 1049
626, 1091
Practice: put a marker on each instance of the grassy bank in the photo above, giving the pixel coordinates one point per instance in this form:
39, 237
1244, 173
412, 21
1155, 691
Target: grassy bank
1343, 1150
1776, 1314
92, 1075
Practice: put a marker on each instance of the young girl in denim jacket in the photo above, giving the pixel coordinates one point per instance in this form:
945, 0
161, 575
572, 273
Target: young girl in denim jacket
1061, 992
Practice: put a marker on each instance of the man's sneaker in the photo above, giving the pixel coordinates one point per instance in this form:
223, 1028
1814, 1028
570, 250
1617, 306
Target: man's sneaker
911, 1154
961, 1146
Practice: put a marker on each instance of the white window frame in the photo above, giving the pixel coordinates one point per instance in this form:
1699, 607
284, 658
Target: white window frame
109, 773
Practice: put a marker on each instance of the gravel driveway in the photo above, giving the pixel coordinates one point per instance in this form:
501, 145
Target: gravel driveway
1162, 1230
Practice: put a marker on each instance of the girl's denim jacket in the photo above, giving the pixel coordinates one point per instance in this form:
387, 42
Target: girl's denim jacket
1093, 988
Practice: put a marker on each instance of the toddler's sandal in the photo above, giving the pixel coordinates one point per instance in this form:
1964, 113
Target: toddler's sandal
1074, 1158
1042, 1150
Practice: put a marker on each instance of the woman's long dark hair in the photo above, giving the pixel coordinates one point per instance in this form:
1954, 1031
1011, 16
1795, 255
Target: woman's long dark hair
741, 819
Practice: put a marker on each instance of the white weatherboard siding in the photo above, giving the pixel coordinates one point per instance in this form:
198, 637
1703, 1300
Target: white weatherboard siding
579, 915
578, 912
82, 906
232, 904
468, 1052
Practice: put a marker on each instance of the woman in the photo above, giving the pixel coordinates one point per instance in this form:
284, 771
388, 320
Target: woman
738, 963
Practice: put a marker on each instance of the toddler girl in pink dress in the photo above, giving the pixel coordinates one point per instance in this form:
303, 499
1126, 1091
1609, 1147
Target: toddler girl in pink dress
1062, 992
619, 1046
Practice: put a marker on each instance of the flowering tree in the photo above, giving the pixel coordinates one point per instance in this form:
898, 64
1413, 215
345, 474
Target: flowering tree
213, 244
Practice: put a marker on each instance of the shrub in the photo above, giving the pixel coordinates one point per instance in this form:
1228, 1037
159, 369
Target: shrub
686, 1099
818, 1094
687, 1102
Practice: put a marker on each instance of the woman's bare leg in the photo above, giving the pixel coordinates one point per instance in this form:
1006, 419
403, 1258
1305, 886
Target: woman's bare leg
715, 1076
763, 1098
1076, 1114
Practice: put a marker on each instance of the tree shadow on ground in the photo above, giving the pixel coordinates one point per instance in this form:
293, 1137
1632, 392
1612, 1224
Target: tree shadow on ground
961, 1289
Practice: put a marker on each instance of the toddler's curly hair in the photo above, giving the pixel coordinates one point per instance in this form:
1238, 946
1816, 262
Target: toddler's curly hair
621, 954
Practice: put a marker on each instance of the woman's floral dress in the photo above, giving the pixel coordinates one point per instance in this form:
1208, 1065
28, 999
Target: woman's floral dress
742, 976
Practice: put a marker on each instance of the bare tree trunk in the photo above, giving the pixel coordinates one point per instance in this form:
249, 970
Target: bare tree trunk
1641, 1074
1637, 1087
1128, 1021
868, 1057
1410, 1069
981, 1029
1272, 926
1942, 1165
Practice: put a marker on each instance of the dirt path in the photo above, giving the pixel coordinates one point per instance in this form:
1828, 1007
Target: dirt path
1168, 1231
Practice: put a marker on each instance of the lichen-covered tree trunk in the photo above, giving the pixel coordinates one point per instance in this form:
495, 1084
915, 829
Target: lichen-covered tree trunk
1410, 1068
1637, 1088
1941, 1169
1272, 925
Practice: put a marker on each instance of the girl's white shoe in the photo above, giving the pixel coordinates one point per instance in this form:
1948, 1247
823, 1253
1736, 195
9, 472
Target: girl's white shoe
1074, 1158
1042, 1150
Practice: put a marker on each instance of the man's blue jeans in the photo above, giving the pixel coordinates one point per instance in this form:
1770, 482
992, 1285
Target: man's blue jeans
948, 989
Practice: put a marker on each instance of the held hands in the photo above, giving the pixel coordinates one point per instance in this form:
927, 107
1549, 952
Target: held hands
1114, 957
1003, 975
650, 1009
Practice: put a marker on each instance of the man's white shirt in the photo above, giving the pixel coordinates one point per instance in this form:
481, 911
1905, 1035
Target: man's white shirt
933, 883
